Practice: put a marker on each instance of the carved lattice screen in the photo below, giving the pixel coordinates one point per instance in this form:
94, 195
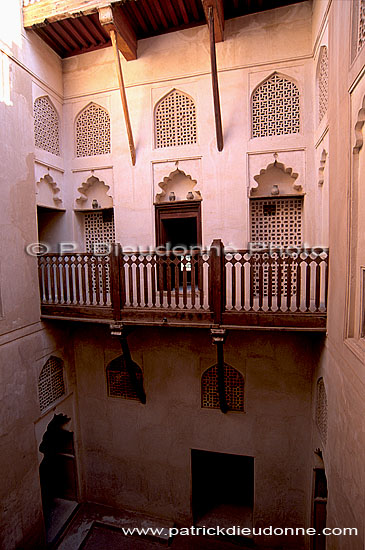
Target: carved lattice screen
234, 385
51, 385
118, 379
321, 409
361, 26
93, 132
175, 120
323, 83
99, 232
46, 126
275, 108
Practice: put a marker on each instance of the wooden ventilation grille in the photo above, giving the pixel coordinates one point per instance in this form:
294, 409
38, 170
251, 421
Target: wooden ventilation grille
51, 384
46, 126
118, 379
321, 410
323, 84
234, 386
275, 108
93, 132
175, 120
361, 26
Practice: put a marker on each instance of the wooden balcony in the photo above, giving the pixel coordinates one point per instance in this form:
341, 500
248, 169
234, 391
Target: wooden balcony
207, 288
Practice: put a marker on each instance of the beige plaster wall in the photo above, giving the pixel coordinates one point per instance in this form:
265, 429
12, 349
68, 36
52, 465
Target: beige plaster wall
138, 456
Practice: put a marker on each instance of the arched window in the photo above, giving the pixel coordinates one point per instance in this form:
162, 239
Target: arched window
321, 409
119, 380
51, 384
275, 108
46, 126
234, 386
322, 83
93, 132
175, 120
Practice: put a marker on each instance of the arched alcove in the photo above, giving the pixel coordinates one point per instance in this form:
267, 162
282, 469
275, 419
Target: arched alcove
94, 195
276, 180
177, 186
48, 192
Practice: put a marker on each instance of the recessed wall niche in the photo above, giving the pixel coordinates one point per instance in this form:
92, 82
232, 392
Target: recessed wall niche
177, 180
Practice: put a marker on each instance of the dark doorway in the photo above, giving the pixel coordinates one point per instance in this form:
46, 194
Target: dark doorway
50, 226
180, 232
222, 489
57, 473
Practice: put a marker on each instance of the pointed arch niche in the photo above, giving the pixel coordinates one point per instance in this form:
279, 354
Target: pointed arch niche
94, 195
177, 186
276, 180
48, 192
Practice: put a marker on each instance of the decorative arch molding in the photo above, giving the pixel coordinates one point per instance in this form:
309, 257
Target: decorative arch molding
322, 167
359, 137
175, 122
48, 192
276, 180
282, 91
94, 194
92, 131
177, 186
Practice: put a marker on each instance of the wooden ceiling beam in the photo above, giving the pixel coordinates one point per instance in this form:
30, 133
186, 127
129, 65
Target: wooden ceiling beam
215, 87
218, 12
113, 19
48, 11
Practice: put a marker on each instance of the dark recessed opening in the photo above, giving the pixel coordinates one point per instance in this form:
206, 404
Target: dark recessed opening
222, 488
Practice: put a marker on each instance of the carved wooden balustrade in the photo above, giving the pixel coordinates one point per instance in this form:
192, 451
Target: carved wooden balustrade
262, 288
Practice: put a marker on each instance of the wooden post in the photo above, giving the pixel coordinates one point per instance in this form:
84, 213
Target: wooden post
217, 280
123, 96
213, 62
219, 336
115, 286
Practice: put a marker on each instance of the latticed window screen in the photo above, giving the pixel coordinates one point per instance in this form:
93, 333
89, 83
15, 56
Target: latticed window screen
234, 386
51, 384
93, 132
46, 126
99, 230
361, 26
277, 222
321, 409
322, 83
275, 108
118, 379
175, 120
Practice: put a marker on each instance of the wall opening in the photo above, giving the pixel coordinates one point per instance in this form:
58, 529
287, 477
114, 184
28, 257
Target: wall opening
58, 477
50, 224
222, 489
319, 508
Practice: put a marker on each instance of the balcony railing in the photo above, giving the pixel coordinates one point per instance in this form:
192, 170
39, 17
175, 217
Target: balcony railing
268, 288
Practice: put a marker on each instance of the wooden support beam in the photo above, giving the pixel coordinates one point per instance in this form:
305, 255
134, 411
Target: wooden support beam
123, 96
218, 12
48, 11
113, 19
216, 101
219, 336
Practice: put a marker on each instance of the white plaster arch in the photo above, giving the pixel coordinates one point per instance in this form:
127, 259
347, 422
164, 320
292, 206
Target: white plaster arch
47, 193
359, 138
94, 189
181, 184
322, 166
276, 180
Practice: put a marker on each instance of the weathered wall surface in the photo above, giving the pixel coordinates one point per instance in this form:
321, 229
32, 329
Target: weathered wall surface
138, 456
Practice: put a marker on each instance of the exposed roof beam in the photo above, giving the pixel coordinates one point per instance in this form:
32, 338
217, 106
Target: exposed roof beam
218, 11
216, 101
113, 19
47, 11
